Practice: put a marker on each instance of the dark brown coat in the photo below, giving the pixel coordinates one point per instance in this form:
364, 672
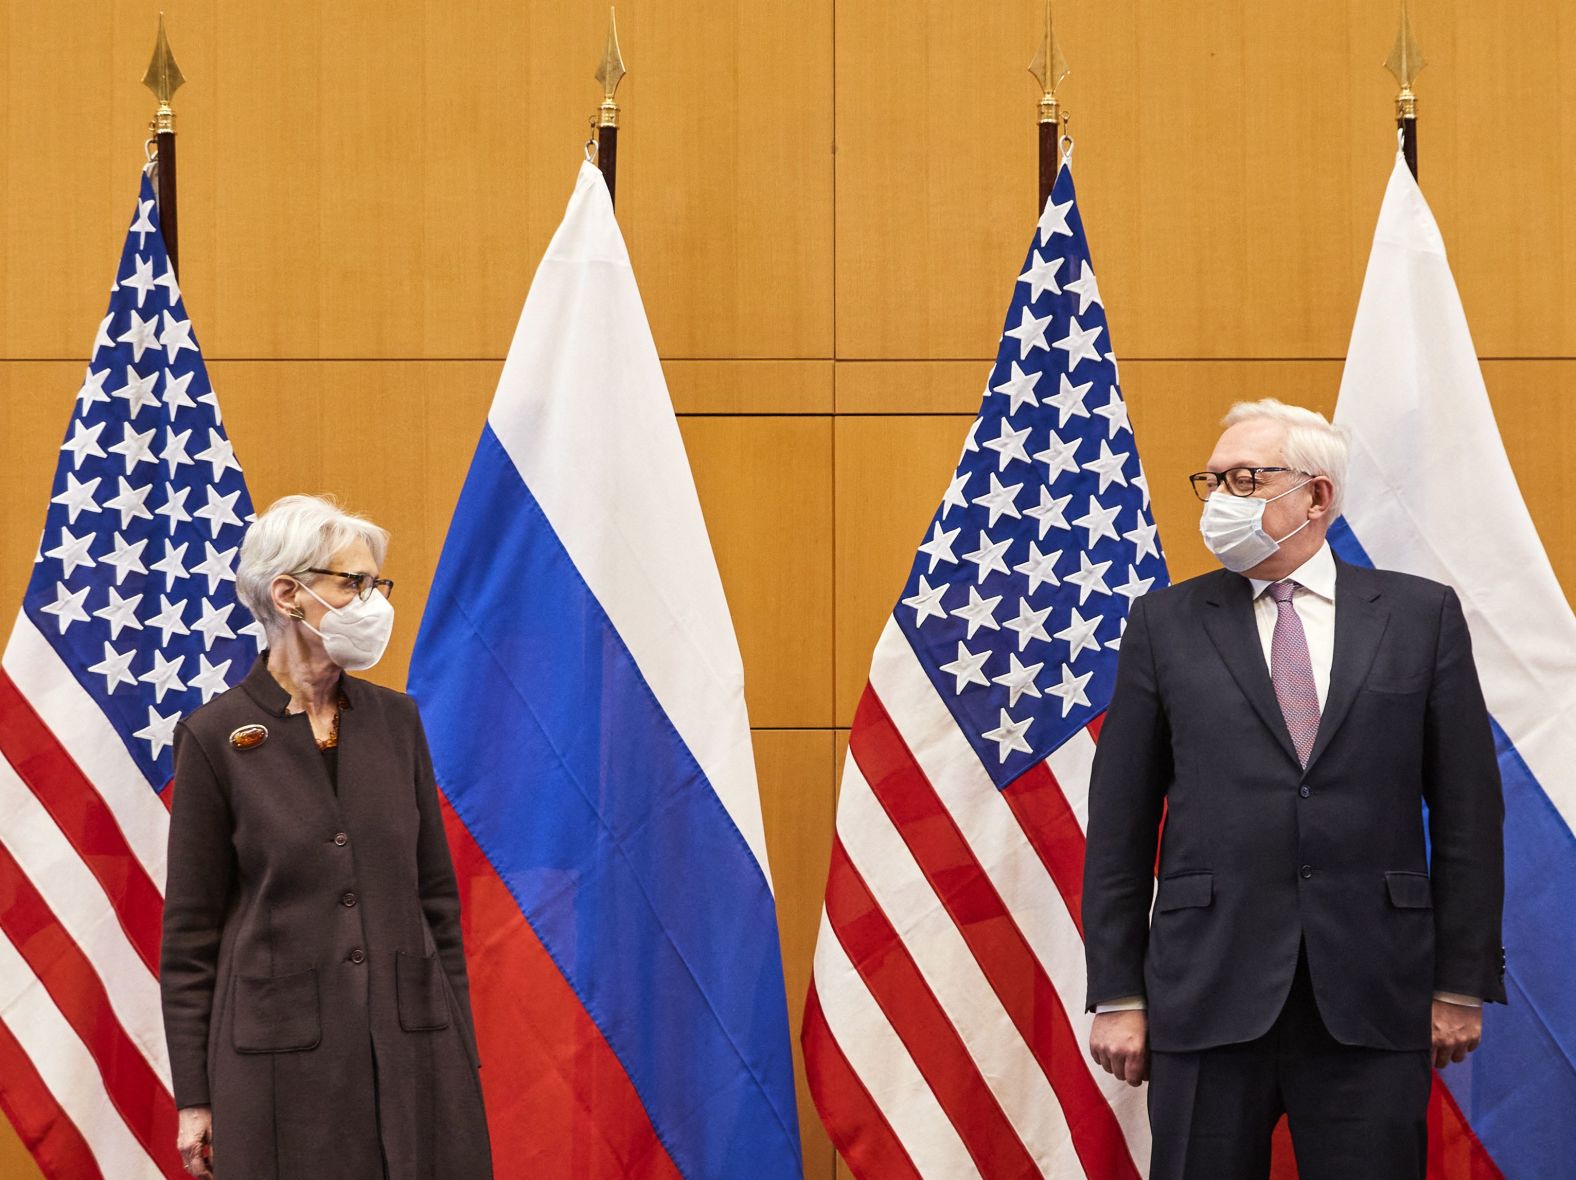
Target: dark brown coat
313, 974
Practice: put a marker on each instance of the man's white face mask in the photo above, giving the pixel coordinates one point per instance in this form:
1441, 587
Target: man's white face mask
1233, 528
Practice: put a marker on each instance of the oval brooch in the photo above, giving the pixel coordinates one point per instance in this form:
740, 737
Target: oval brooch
248, 736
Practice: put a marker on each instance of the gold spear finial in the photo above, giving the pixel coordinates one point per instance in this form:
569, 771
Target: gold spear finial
1405, 62
610, 73
1049, 67
164, 78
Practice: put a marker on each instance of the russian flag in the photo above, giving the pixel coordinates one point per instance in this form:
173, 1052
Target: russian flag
1432, 492
582, 691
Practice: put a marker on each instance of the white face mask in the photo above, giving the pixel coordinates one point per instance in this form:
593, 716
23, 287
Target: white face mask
356, 634
1233, 528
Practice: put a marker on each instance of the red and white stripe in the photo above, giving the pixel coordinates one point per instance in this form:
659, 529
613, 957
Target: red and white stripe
945, 1034
84, 1074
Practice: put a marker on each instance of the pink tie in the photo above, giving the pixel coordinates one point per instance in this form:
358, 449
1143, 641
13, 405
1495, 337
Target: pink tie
1291, 672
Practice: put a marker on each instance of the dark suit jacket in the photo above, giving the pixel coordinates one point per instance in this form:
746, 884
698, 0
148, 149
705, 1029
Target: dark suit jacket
313, 975
1259, 855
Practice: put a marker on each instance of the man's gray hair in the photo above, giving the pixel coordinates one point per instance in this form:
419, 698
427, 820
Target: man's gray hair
1314, 445
296, 533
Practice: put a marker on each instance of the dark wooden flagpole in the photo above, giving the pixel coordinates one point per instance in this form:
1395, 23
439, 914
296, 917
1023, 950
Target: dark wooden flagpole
1405, 62
164, 79
609, 73
1049, 68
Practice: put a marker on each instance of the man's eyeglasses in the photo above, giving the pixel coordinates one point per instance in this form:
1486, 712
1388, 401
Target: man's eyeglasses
1237, 481
361, 584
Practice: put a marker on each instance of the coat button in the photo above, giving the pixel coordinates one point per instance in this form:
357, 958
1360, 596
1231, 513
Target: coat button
1307, 871
341, 839
1305, 790
350, 898
357, 955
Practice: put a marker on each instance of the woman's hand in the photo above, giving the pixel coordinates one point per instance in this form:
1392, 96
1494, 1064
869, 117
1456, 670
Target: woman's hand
194, 1140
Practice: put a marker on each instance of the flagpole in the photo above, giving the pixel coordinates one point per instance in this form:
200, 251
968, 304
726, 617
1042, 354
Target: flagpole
1405, 62
609, 73
164, 79
1049, 68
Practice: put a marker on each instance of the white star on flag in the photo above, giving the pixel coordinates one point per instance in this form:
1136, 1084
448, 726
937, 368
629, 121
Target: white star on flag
927, 602
966, 668
1079, 343
1030, 333
1018, 680
1087, 290
1008, 736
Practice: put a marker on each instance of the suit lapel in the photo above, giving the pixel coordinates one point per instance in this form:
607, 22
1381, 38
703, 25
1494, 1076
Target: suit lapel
1360, 620
1229, 622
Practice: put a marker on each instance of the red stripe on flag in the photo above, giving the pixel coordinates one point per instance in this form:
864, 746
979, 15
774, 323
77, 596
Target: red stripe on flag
57, 1146
1051, 828
133, 1088
559, 1101
855, 1123
1004, 955
82, 815
895, 981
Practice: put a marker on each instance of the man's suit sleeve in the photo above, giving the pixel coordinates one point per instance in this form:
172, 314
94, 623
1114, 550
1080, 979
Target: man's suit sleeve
1127, 789
1466, 814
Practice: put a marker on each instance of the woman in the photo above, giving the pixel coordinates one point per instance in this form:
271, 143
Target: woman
315, 999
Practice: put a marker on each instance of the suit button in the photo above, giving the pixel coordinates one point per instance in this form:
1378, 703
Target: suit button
357, 955
1307, 871
350, 898
1305, 790
341, 839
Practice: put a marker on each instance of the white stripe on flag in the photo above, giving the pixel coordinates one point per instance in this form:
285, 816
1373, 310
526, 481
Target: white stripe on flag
78, 902
1422, 427
882, 1063
588, 425
1071, 764
79, 726
67, 1069
971, 1004
994, 835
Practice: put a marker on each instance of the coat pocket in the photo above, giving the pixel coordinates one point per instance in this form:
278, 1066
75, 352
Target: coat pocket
276, 1013
1186, 890
1410, 891
420, 992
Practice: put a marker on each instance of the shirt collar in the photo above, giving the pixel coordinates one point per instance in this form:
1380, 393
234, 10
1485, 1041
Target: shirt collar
1316, 575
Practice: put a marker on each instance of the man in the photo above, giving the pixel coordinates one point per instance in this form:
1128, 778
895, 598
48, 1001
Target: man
1311, 950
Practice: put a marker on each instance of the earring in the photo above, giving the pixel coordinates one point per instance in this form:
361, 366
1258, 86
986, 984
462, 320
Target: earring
297, 613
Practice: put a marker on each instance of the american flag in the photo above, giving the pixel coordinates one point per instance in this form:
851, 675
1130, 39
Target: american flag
944, 1033
129, 622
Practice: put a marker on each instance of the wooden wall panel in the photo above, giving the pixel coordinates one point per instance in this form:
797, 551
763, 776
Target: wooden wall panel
765, 486
1230, 164
797, 772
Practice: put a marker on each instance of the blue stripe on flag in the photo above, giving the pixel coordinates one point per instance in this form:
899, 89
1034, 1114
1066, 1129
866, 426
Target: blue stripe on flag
585, 798
1526, 1067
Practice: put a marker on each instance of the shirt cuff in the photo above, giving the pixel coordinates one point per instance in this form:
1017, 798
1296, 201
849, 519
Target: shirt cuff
1125, 1004
1456, 998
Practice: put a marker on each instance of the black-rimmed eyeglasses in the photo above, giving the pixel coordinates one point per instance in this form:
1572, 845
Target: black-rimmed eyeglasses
1237, 481
361, 584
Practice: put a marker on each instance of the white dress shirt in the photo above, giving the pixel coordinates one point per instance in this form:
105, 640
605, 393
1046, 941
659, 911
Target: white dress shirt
1314, 600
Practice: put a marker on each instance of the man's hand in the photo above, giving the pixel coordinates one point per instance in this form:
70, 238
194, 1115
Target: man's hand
194, 1140
1457, 1030
1119, 1041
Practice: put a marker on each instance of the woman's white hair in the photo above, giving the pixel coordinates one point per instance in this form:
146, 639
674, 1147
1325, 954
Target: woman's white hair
296, 533
1314, 445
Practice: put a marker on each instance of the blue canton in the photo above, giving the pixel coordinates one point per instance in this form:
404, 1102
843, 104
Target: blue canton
134, 583
1019, 595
